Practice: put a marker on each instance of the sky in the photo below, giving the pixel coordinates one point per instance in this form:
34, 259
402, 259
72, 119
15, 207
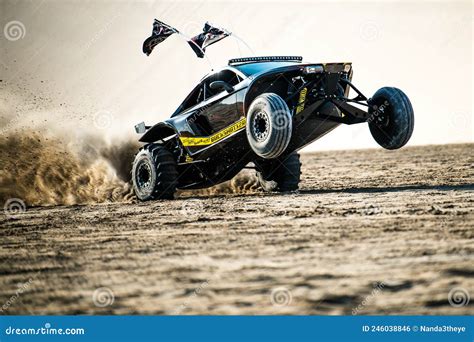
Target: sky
84, 57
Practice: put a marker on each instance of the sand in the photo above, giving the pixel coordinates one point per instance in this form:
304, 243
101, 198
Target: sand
369, 232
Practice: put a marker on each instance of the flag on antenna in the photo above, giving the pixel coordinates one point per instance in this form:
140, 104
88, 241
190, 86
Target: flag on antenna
210, 34
160, 32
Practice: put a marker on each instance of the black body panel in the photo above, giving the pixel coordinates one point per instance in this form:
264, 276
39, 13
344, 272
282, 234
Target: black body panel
207, 132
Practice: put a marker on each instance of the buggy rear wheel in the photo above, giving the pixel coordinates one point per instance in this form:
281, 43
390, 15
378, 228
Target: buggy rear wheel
154, 173
281, 174
391, 119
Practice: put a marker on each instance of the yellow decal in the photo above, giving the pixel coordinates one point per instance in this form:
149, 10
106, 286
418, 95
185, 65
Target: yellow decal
189, 159
202, 141
301, 100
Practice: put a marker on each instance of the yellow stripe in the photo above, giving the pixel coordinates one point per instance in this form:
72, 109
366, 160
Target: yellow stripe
203, 141
301, 100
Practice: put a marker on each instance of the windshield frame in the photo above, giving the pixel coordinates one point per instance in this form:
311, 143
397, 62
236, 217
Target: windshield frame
180, 108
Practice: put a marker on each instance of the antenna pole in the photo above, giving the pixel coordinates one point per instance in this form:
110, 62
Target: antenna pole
189, 40
243, 42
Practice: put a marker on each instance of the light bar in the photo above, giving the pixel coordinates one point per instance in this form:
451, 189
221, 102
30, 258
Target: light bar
265, 58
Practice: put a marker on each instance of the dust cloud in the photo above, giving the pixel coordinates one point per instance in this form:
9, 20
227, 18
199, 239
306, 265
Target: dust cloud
43, 170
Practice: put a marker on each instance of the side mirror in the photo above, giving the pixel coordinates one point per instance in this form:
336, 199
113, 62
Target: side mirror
141, 128
218, 85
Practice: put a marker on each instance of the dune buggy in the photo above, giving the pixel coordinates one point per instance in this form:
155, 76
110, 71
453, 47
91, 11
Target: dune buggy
260, 110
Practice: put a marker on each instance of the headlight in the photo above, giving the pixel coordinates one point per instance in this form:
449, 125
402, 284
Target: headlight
313, 69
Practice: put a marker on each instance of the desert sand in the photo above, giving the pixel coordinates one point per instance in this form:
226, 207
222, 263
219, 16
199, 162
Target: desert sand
369, 232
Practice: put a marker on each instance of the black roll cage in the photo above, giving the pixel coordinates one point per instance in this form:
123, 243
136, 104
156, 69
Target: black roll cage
352, 114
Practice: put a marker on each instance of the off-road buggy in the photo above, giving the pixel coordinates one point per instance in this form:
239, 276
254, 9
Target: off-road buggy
260, 111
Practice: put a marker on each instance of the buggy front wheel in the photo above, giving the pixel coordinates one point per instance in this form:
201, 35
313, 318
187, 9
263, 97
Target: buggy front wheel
391, 118
269, 126
154, 173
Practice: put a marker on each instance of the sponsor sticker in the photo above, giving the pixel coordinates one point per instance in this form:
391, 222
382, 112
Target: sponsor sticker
301, 100
202, 141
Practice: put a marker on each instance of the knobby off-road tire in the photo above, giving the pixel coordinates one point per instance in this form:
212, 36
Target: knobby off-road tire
391, 119
269, 125
154, 173
281, 174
